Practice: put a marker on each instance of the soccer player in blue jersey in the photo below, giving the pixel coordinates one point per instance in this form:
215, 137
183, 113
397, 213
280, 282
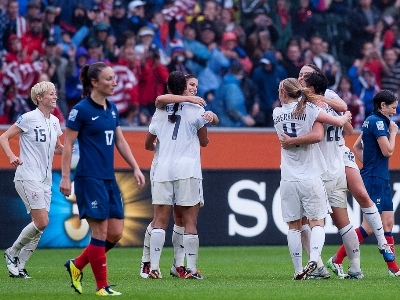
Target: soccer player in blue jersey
94, 121
373, 148
39, 140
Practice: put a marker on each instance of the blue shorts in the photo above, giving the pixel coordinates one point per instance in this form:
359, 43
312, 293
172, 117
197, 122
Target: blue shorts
380, 192
98, 198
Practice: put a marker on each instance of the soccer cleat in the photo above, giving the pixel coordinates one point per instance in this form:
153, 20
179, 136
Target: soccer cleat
394, 273
308, 269
320, 273
155, 274
336, 268
24, 274
355, 275
107, 291
144, 269
193, 275
387, 253
177, 271
11, 263
75, 274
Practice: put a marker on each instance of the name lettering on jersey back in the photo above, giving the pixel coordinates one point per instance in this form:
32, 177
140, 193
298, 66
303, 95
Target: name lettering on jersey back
288, 117
170, 107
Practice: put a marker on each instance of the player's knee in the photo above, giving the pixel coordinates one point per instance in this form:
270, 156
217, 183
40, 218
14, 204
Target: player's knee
42, 223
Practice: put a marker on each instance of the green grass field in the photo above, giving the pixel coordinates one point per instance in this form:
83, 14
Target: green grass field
231, 273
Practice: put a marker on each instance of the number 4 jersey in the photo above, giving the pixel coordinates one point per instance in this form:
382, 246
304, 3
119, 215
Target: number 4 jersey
178, 150
302, 161
37, 143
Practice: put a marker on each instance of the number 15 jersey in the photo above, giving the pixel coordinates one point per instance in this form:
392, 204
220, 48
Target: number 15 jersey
178, 151
302, 161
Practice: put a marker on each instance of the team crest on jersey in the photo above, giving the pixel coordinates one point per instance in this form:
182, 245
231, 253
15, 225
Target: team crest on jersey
365, 124
114, 114
72, 115
55, 126
380, 125
19, 120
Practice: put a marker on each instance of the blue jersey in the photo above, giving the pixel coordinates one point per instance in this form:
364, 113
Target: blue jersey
96, 137
374, 162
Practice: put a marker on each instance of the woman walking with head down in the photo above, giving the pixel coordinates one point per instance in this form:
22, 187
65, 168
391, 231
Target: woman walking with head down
94, 121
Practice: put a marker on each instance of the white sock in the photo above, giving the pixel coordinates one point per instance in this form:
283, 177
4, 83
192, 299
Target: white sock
317, 242
352, 246
374, 220
191, 245
177, 242
305, 238
294, 244
146, 244
157, 240
26, 235
27, 251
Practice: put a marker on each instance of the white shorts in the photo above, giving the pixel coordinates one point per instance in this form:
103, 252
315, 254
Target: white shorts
336, 190
34, 194
303, 198
349, 158
182, 192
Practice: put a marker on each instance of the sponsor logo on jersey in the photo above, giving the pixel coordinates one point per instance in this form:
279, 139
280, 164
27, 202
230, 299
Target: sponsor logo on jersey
380, 125
72, 115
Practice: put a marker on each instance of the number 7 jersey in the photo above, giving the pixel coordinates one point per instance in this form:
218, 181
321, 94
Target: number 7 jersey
302, 161
178, 151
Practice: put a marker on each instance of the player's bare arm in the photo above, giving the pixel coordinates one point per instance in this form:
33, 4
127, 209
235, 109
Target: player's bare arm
358, 149
65, 184
163, 100
314, 136
15, 161
149, 142
203, 138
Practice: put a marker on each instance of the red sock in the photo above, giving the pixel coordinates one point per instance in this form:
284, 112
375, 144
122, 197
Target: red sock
392, 265
82, 260
341, 253
98, 262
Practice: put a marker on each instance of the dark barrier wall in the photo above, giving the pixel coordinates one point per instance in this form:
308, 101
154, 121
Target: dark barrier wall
241, 208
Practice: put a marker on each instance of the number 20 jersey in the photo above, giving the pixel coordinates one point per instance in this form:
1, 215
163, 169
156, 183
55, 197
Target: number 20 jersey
303, 161
178, 148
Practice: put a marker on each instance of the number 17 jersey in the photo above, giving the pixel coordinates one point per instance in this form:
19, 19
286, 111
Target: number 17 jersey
302, 161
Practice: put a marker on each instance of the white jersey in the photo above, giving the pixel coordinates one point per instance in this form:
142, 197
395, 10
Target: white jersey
303, 161
178, 152
37, 144
330, 147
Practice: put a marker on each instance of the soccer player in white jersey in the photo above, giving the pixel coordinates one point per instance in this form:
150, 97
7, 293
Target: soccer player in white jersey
176, 176
334, 179
177, 269
302, 189
356, 187
39, 133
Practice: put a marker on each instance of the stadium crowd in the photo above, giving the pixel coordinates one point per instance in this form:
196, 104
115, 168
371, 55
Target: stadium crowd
239, 49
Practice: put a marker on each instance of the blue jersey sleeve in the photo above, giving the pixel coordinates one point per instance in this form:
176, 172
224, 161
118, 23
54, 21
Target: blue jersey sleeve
379, 128
74, 119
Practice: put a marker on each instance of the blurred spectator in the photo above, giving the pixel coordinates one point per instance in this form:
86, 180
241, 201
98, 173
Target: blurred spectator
196, 53
235, 53
73, 85
324, 62
145, 45
134, 117
14, 24
369, 89
16, 52
136, 15
152, 77
266, 77
3, 22
372, 60
228, 17
128, 39
33, 40
210, 17
211, 76
162, 35
283, 23
178, 9
391, 76
252, 99
364, 20
178, 58
119, 21
293, 60
34, 9
100, 34
249, 10
95, 51
79, 20
354, 104
51, 28
229, 102
68, 7
303, 22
